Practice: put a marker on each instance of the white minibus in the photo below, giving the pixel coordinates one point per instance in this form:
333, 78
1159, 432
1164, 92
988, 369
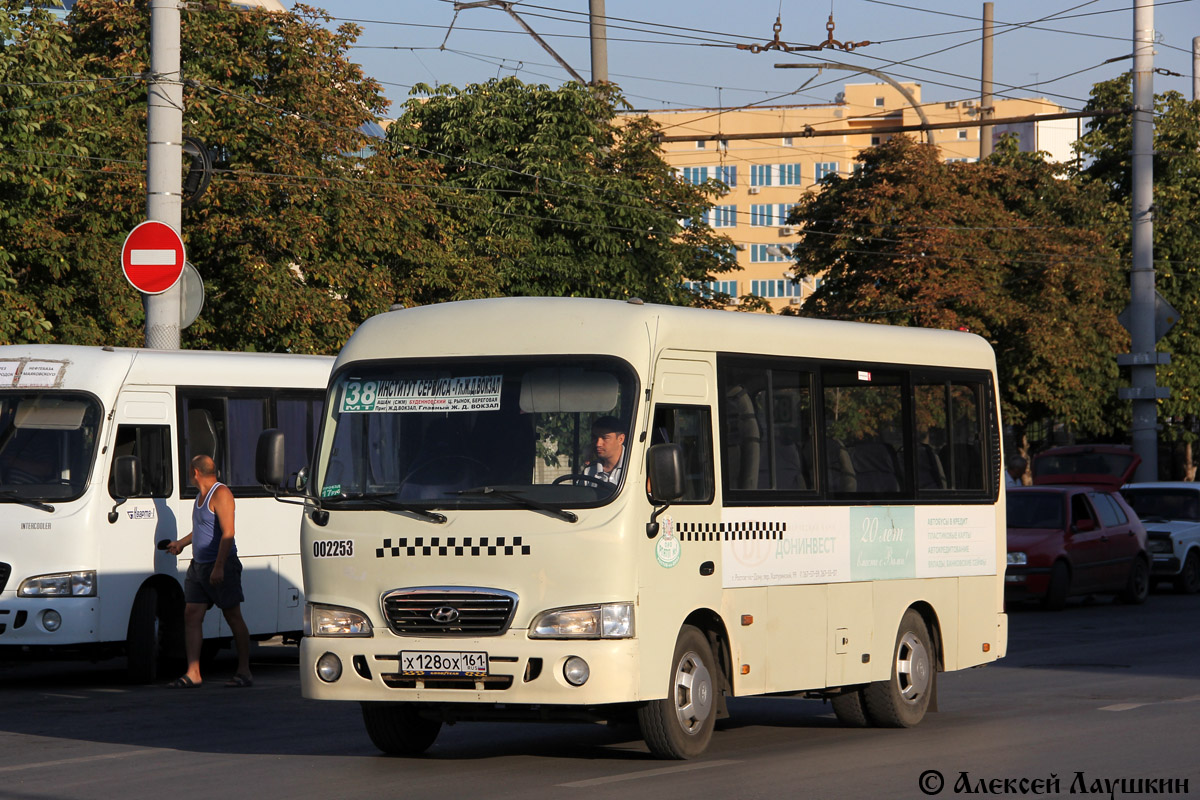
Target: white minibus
82, 572
557, 508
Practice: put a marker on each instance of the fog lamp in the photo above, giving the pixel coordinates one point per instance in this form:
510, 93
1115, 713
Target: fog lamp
576, 671
51, 620
329, 668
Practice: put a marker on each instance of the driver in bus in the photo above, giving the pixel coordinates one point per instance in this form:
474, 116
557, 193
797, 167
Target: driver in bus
608, 436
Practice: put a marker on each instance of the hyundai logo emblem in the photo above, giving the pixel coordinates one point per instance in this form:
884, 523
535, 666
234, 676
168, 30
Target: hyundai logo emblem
444, 614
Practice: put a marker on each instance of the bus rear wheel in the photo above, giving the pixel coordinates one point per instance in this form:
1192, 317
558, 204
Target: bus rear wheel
681, 725
901, 701
398, 729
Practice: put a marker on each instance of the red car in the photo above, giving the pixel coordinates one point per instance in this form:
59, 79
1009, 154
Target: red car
1072, 533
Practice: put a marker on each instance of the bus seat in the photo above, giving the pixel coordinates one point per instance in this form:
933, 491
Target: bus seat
202, 434
744, 440
875, 466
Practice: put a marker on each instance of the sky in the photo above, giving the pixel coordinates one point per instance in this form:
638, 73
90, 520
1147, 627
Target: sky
670, 54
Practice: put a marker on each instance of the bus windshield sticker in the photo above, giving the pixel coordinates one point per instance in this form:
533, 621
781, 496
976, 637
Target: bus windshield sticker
468, 393
331, 491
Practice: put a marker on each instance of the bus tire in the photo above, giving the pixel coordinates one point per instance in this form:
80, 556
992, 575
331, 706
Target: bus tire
142, 649
681, 725
901, 701
848, 708
398, 729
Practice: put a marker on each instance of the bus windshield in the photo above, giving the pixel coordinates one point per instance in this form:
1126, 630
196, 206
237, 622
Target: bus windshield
469, 433
47, 443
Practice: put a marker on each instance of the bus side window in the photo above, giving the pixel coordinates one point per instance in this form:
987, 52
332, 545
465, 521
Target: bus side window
690, 427
151, 445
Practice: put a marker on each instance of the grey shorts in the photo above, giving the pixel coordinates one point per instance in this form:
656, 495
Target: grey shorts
198, 589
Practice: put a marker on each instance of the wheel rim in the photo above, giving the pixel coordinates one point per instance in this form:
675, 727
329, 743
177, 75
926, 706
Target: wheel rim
913, 669
1191, 571
693, 693
1141, 579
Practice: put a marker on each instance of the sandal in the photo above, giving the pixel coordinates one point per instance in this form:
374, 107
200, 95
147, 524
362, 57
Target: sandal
183, 682
239, 682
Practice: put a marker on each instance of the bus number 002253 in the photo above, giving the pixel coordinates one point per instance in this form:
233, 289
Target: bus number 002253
333, 548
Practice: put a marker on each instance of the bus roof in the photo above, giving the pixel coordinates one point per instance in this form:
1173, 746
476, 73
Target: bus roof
633, 330
103, 370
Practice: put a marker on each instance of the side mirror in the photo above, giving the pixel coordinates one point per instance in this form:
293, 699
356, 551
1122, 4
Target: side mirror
664, 466
268, 458
127, 477
1085, 525
301, 479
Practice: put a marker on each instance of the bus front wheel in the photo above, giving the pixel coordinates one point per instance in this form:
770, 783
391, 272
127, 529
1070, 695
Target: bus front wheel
681, 725
901, 701
398, 729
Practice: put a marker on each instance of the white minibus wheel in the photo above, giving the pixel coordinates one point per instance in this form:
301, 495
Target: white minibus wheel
681, 725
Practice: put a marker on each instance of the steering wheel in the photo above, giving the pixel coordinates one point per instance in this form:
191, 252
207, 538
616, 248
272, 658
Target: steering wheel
577, 476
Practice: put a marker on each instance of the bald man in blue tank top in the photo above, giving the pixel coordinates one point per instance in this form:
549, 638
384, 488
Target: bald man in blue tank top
215, 575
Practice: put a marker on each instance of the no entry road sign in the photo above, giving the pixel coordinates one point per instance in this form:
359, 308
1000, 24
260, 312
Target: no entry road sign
152, 257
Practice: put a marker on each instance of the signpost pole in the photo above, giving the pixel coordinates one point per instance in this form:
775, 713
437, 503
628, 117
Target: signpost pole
164, 153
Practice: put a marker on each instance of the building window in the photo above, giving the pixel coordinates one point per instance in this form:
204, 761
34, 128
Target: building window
727, 175
701, 144
762, 215
875, 140
789, 175
709, 288
787, 141
759, 254
760, 174
962, 135
824, 168
695, 175
723, 216
776, 288
879, 102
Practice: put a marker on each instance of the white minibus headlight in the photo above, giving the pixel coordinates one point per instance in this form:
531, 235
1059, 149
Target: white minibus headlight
1018, 559
60, 584
608, 621
335, 621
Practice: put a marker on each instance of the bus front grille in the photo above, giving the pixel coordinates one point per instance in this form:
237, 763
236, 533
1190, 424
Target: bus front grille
449, 611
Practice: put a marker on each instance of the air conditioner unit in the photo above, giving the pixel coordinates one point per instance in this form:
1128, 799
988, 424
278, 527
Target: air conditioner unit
734, 301
787, 230
793, 301
739, 247
969, 103
754, 190
952, 104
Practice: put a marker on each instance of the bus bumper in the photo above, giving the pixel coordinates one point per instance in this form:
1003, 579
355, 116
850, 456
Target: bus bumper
520, 670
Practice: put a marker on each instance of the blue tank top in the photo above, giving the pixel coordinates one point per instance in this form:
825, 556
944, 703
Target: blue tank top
206, 530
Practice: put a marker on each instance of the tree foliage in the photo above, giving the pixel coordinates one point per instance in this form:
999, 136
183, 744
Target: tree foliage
548, 195
1005, 249
297, 238
1107, 146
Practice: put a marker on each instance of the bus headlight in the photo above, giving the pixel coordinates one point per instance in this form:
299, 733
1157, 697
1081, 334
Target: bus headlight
1018, 559
335, 621
60, 584
607, 621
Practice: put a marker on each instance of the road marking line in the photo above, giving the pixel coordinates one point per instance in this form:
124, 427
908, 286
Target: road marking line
81, 760
67, 696
648, 773
1127, 706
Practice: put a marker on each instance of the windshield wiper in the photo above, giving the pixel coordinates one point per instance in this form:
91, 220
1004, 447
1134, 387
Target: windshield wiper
11, 494
383, 501
517, 497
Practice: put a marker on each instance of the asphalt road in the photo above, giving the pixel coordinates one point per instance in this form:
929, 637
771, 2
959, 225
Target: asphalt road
1098, 692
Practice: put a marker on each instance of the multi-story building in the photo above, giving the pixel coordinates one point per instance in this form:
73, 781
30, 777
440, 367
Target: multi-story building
767, 174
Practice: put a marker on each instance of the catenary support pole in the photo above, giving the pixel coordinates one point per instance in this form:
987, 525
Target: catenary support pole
1145, 392
164, 152
599, 31
986, 109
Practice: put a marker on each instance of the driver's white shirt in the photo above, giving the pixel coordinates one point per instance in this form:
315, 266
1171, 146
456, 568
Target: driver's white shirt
596, 470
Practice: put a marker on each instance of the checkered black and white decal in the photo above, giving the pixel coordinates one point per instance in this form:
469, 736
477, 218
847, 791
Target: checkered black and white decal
729, 531
453, 546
